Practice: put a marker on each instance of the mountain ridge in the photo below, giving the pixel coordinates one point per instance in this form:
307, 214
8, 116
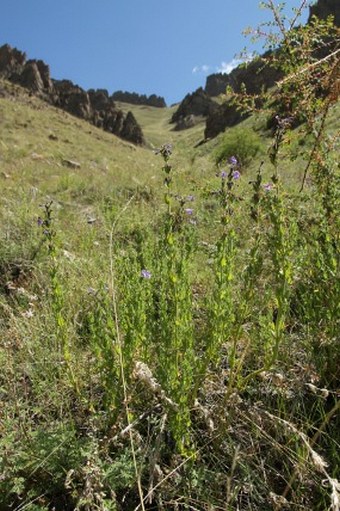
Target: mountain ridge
94, 106
99, 108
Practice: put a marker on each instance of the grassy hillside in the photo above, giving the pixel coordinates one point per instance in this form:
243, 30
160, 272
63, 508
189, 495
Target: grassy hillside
169, 327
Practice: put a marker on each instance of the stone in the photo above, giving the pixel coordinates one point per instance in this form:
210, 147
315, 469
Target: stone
71, 164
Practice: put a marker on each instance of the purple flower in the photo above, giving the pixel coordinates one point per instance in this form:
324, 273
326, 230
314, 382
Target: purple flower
267, 187
188, 211
40, 221
233, 160
190, 198
145, 274
236, 174
223, 174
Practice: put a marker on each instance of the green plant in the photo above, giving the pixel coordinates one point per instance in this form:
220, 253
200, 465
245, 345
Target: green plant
171, 351
173, 315
243, 143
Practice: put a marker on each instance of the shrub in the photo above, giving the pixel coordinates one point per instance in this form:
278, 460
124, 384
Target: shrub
242, 143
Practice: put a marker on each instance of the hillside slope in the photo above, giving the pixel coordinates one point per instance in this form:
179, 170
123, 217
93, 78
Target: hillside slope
168, 327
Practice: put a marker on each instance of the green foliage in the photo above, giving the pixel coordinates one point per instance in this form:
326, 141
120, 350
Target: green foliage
243, 143
37, 467
167, 351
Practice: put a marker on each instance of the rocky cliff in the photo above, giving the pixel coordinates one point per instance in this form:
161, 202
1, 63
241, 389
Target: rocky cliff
256, 76
139, 99
198, 104
324, 8
94, 106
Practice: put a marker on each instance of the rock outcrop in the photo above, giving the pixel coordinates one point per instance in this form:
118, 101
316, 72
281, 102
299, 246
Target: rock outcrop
227, 115
131, 130
100, 99
30, 77
12, 61
184, 123
257, 76
139, 99
32, 74
94, 106
73, 99
324, 8
196, 104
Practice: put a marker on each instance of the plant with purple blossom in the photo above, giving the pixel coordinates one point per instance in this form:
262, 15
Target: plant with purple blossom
173, 329
145, 274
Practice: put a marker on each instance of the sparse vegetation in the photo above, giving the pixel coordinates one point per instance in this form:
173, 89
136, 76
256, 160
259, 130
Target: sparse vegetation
169, 334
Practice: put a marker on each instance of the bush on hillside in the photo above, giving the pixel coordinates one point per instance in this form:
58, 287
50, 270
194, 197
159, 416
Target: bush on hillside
242, 143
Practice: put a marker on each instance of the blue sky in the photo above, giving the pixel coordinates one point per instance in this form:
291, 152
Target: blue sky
166, 47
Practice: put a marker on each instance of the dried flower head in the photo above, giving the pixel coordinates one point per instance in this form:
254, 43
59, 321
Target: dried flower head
165, 150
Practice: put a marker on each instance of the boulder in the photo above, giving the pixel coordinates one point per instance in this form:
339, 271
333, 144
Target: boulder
72, 164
